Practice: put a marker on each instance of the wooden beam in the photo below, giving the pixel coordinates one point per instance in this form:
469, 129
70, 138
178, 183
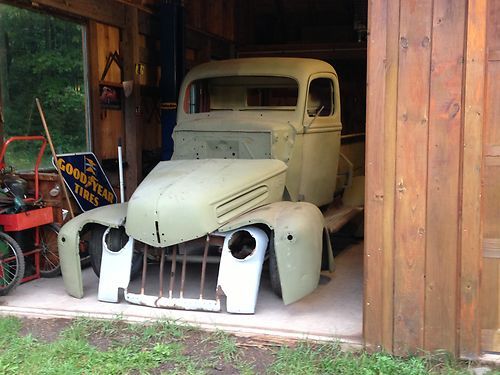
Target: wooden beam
109, 12
390, 156
375, 168
445, 120
93, 80
411, 174
130, 52
471, 171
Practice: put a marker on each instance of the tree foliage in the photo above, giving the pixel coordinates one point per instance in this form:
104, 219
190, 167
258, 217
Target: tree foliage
42, 57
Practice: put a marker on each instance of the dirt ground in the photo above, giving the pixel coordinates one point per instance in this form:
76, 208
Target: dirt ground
199, 345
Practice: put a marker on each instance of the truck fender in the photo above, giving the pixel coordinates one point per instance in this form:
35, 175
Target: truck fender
69, 242
299, 242
115, 269
240, 268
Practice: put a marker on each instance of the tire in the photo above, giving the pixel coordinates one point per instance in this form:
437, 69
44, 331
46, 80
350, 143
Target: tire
95, 248
118, 238
274, 274
11, 264
50, 265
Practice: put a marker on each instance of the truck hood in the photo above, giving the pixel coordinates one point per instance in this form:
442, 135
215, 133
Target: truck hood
185, 199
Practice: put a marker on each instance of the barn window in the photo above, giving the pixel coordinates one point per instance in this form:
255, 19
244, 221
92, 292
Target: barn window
41, 57
320, 98
240, 93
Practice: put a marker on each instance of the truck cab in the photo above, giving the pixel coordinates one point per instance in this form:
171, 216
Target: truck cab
265, 108
256, 152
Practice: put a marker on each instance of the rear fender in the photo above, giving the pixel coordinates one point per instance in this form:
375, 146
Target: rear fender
298, 243
69, 242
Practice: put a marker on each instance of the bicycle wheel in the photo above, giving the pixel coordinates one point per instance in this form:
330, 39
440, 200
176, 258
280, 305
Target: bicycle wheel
50, 265
11, 264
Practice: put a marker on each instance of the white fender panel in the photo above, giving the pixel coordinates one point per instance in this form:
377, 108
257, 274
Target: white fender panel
239, 279
115, 270
69, 241
298, 242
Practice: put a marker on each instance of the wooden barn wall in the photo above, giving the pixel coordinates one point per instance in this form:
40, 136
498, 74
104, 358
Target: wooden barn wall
490, 278
210, 30
424, 81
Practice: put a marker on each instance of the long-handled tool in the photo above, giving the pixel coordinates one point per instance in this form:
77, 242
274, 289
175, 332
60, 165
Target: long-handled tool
49, 139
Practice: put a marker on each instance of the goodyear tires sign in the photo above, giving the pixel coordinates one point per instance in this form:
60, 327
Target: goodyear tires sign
86, 180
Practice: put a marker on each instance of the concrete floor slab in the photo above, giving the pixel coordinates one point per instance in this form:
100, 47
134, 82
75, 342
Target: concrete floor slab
332, 311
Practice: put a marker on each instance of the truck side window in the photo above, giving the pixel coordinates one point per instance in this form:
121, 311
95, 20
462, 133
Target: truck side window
320, 98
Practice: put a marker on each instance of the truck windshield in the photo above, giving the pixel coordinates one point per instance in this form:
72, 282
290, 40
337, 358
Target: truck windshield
241, 93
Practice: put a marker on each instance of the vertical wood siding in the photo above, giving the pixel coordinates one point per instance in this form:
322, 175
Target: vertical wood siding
445, 115
424, 116
490, 275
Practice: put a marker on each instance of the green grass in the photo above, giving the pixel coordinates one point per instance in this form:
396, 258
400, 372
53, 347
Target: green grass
116, 347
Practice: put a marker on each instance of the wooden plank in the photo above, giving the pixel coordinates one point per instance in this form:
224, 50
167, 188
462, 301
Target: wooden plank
93, 83
109, 12
336, 218
493, 33
390, 120
228, 14
492, 114
133, 110
490, 340
491, 198
411, 175
490, 294
491, 248
107, 126
109, 42
471, 230
110, 129
214, 20
445, 120
374, 197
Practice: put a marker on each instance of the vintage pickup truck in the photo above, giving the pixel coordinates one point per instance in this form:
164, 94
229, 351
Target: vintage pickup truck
256, 153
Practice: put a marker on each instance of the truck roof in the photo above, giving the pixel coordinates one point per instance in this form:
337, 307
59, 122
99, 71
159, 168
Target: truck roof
298, 68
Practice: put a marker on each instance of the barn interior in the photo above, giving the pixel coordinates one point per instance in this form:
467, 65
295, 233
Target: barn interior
128, 41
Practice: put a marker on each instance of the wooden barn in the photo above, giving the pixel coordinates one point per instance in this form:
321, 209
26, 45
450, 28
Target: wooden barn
420, 84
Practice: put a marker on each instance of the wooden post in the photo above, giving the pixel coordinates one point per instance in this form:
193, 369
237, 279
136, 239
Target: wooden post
93, 79
411, 174
471, 228
445, 120
374, 198
129, 51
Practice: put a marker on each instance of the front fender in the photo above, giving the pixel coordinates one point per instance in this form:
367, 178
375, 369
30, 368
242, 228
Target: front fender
69, 241
298, 243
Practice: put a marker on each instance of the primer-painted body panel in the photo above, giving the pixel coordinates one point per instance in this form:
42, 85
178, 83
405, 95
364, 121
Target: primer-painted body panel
298, 243
182, 200
307, 143
69, 241
187, 198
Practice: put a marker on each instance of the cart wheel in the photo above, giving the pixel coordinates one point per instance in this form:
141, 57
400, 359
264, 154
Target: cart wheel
50, 265
11, 264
